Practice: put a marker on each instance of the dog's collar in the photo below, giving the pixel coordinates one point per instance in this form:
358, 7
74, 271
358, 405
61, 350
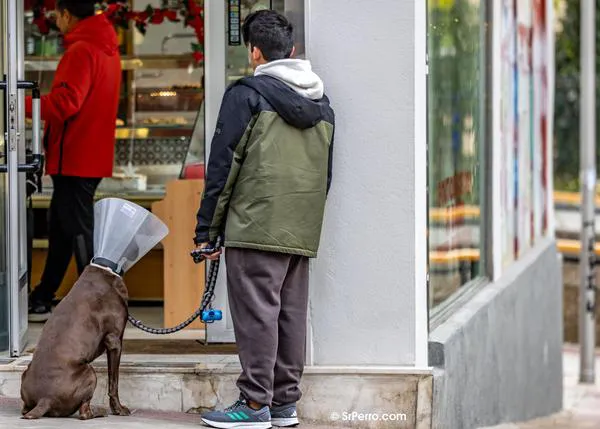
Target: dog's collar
105, 268
108, 264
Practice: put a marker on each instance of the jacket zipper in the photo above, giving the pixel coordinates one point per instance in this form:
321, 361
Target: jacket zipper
62, 143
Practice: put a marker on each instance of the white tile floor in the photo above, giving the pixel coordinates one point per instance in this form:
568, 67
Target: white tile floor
151, 316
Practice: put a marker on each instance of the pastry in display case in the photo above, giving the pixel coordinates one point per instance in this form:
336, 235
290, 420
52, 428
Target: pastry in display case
154, 138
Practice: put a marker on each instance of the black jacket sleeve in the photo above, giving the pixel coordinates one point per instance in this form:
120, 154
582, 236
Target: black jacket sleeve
330, 117
234, 118
330, 161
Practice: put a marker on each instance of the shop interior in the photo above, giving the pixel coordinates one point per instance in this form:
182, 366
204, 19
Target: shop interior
159, 154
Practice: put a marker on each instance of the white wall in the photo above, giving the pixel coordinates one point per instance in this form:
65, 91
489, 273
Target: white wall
368, 285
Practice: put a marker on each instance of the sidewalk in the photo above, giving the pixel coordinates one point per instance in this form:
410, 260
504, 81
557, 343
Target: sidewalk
581, 403
10, 419
581, 410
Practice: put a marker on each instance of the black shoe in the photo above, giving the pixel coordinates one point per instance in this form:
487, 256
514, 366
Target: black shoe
39, 312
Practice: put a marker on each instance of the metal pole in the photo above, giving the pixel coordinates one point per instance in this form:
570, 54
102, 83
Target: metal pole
587, 292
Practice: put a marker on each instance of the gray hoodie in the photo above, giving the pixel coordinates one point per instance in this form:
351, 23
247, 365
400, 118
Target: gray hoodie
297, 74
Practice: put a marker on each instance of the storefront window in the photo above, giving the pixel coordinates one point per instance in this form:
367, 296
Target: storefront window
456, 142
524, 126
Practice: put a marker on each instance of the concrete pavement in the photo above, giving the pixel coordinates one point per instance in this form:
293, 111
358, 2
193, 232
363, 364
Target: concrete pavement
581, 403
10, 419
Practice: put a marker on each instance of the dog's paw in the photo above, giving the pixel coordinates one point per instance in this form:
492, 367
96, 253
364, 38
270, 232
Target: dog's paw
26, 417
121, 411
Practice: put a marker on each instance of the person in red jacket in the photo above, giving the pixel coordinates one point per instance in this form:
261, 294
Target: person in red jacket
79, 140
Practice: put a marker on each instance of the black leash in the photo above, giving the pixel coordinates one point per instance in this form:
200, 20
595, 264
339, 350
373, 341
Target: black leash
205, 310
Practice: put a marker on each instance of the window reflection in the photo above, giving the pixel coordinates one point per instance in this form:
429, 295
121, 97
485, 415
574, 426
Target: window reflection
456, 92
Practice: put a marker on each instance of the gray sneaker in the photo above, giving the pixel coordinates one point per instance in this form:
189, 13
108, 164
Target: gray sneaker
284, 415
239, 416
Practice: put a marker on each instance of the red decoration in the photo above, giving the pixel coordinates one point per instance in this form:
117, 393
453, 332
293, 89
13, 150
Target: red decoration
198, 56
48, 4
42, 23
121, 15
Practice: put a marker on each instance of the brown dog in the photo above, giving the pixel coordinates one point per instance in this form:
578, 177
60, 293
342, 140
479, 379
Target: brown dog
91, 319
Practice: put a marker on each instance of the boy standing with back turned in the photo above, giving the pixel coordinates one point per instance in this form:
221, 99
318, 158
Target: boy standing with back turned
267, 180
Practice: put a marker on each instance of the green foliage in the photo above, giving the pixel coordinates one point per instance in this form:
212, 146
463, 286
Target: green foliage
456, 91
567, 97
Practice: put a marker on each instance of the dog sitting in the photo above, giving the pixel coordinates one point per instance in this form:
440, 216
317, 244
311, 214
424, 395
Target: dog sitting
90, 320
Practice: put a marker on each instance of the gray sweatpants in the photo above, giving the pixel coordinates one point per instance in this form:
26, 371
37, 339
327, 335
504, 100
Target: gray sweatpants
268, 298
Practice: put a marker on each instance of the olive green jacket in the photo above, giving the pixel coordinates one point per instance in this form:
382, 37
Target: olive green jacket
269, 169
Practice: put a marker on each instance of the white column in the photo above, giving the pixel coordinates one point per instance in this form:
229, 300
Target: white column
368, 285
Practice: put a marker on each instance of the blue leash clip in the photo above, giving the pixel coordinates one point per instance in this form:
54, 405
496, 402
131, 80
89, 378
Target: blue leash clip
210, 316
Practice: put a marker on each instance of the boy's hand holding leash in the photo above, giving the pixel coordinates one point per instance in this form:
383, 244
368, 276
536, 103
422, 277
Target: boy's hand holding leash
206, 251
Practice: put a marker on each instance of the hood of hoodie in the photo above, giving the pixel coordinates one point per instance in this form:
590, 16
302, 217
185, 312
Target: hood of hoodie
297, 74
292, 105
96, 30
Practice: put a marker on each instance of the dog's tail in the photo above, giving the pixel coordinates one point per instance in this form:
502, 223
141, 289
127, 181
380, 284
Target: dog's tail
40, 410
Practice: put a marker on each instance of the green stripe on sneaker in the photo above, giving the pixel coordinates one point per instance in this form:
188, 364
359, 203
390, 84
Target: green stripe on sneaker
233, 416
244, 415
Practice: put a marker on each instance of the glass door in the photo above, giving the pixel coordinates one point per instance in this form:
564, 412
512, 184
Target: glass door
13, 169
4, 290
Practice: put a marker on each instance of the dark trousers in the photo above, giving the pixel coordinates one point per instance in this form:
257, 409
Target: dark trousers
71, 229
268, 298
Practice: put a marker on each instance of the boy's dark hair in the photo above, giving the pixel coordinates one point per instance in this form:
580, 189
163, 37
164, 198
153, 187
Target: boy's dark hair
270, 32
80, 9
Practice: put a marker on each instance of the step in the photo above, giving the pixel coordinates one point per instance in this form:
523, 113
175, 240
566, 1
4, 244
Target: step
388, 396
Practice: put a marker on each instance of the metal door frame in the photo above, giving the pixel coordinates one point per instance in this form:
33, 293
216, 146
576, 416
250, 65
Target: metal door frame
215, 51
16, 331
16, 262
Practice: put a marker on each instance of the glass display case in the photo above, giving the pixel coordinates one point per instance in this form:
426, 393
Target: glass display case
160, 123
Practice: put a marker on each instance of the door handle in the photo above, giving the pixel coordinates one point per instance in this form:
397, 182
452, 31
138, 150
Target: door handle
36, 159
22, 84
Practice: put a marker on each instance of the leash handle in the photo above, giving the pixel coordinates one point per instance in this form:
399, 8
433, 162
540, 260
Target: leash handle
199, 255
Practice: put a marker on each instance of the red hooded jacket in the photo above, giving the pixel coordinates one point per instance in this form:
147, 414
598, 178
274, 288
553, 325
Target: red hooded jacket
81, 109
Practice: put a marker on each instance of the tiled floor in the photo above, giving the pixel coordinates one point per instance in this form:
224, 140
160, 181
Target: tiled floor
139, 342
151, 316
